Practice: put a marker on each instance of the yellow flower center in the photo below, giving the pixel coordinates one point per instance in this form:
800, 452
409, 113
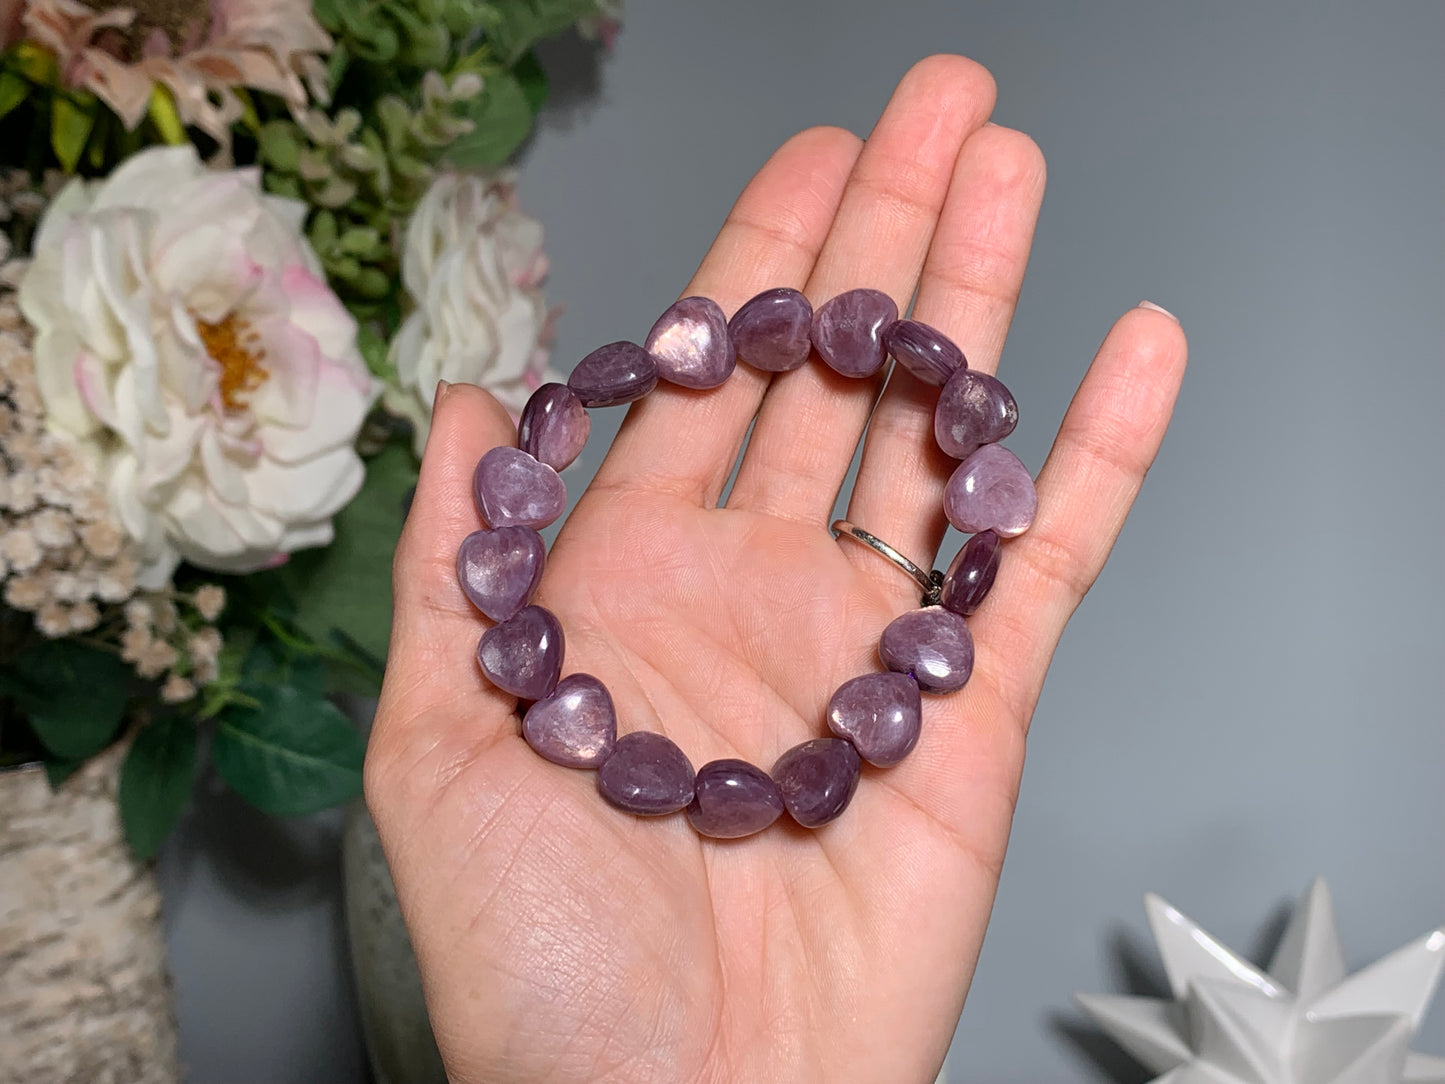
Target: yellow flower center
236, 348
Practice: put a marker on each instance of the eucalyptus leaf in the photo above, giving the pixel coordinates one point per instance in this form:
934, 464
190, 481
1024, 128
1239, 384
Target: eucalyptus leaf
155, 781
502, 116
73, 696
292, 754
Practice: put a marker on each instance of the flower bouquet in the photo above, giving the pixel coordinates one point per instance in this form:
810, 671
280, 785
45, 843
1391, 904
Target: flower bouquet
240, 243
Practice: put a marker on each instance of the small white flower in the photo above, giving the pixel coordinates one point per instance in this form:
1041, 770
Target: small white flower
210, 600
177, 690
473, 266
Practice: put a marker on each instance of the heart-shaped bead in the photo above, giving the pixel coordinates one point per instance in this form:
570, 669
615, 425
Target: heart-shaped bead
691, 344
881, 714
991, 491
973, 409
575, 726
817, 779
514, 490
499, 570
848, 331
932, 645
554, 426
732, 799
523, 655
774, 331
617, 373
647, 774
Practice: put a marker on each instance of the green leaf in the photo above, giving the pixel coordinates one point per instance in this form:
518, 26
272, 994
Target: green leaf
517, 25
533, 80
293, 754
156, 780
502, 117
70, 127
347, 585
13, 91
280, 143
74, 696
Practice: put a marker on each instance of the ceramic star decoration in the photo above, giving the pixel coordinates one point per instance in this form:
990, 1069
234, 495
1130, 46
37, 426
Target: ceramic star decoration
1302, 1021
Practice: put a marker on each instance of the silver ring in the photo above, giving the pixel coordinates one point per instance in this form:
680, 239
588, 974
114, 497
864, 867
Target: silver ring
931, 583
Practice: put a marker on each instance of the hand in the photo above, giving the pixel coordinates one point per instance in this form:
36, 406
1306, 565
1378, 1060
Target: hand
562, 940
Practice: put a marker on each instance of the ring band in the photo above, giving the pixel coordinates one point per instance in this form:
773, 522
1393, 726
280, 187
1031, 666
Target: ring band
931, 583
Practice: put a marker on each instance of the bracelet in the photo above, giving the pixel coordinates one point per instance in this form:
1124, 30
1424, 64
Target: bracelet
875, 717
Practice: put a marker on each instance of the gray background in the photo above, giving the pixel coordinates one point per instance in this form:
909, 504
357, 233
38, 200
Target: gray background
1253, 694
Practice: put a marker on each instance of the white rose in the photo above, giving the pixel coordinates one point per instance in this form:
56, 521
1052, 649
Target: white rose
472, 265
186, 338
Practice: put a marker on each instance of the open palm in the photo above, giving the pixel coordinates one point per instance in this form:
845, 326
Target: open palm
562, 940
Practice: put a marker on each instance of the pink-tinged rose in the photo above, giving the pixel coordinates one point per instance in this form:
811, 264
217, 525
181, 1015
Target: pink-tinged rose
472, 266
186, 339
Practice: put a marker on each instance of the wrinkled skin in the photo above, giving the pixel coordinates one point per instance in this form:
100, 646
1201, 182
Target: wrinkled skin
561, 940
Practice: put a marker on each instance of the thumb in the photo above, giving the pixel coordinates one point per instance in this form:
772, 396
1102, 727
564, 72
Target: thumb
433, 623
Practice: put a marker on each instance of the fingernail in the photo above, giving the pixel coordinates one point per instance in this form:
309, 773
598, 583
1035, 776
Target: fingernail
442, 387
1157, 308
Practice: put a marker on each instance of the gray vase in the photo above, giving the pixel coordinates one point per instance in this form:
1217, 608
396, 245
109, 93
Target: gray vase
399, 1041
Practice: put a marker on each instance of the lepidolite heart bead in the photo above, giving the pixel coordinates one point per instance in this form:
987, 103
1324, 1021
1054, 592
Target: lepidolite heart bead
523, 655
848, 331
991, 491
613, 374
881, 714
932, 645
513, 489
971, 574
773, 331
973, 409
646, 774
924, 351
554, 426
817, 779
575, 726
732, 799
691, 344
499, 570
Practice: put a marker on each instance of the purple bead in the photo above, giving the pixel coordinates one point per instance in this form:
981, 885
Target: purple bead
991, 490
973, 409
613, 374
817, 779
732, 798
554, 426
523, 655
576, 726
933, 645
848, 331
773, 331
499, 570
691, 344
971, 574
514, 490
924, 351
646, 774
881, 714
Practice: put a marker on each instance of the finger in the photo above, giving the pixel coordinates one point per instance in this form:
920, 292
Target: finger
811, 418
969, 289
434, 626
687, 441
1105, 446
